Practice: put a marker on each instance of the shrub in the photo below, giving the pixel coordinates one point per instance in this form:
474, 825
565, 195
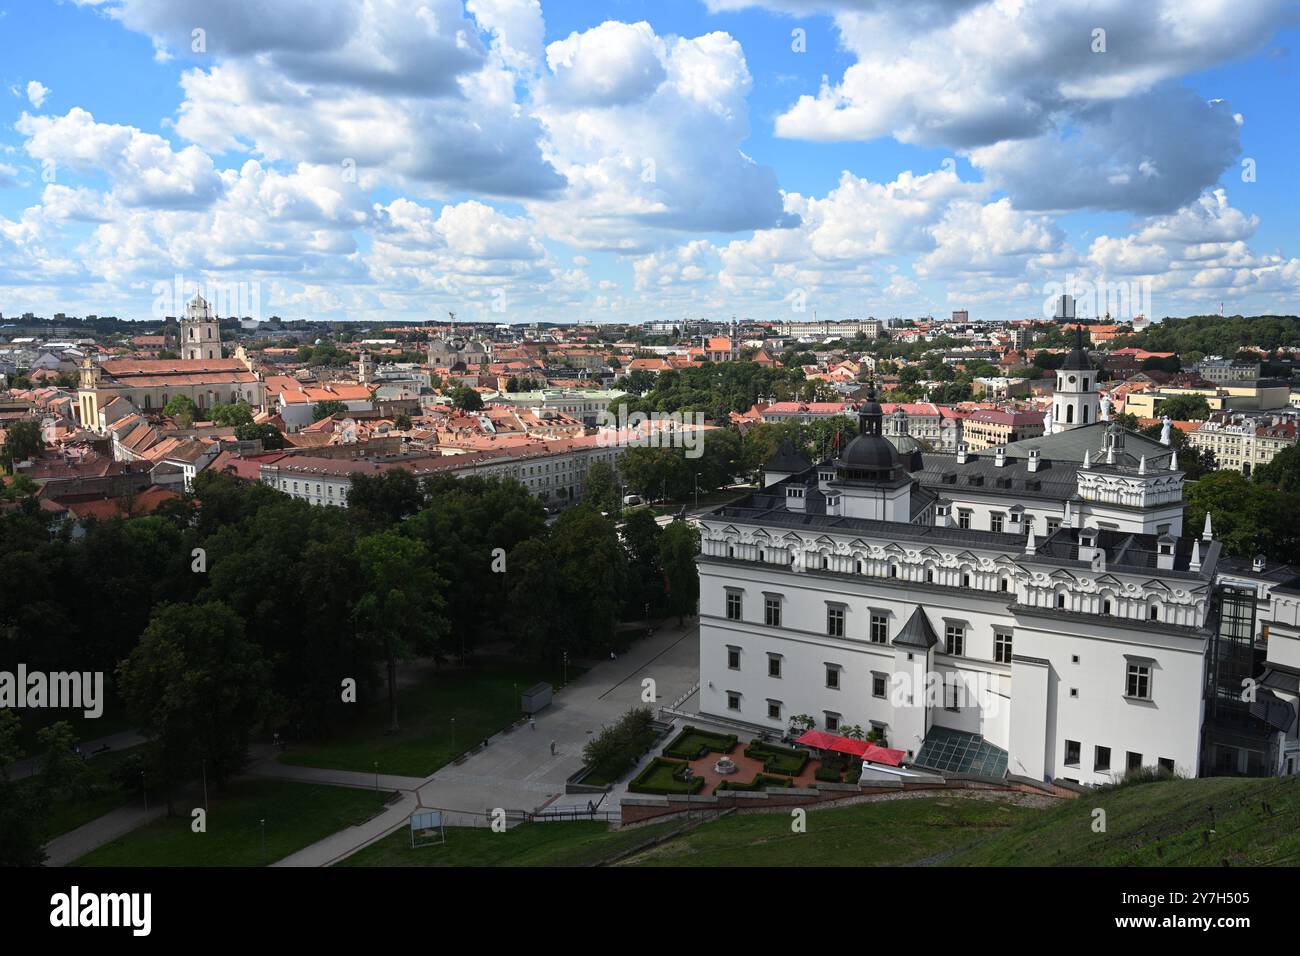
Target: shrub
782, 760
692, 744
760, 782
827, 774
618, 747
665, 777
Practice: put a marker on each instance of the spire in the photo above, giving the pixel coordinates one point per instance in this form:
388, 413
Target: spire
1066, 521
1208, 533
1195, 563
1031, 546
1173, 461
1142, 465
1087, 458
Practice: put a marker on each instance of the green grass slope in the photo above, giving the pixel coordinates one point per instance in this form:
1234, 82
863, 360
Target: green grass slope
1255, 822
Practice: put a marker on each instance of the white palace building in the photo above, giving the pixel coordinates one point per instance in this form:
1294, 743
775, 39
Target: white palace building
1036, 609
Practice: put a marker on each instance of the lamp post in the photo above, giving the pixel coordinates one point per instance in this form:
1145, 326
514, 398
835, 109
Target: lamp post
453, 736
144, 788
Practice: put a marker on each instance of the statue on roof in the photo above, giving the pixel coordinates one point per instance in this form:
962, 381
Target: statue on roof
1166, 438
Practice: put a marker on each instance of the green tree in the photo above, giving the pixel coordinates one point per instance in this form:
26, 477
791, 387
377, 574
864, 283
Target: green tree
466, 399
63, 770
400, 609
22, 441
1283, 472
331, 406
266, 433
600, 488
197, 687
227, 416
23, 812
677, 549
182, 409
1185, 408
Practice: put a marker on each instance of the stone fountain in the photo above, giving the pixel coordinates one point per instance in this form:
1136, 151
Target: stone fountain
725, 766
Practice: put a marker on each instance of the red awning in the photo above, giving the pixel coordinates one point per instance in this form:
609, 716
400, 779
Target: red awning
848, 745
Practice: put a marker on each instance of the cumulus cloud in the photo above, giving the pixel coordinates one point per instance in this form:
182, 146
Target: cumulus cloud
36, 93
1058, 115
647, 130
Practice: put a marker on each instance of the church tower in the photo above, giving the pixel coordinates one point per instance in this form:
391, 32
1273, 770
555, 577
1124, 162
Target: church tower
1077, 400
200, 332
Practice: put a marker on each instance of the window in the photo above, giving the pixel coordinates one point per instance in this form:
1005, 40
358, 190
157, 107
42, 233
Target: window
955, 639
733, 700
965, 580
1105, 606
833, 676
832, 722
773, 710
733, 605
1072, 753
879, 683
733, 658
879, 628
773, 665
772, 612
963, 518
1154, 613
835, 621
995, 524
1133, 761
1060, 599
1002, 647
1101, 759
1138, 685
952, 690
1074, 692
1166, 765
929, 575
1053, 524
893, 570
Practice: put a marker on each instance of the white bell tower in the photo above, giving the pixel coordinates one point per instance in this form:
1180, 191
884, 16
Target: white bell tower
200, 332
1077, 401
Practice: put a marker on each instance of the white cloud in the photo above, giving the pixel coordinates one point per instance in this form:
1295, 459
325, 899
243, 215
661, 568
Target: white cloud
37, 92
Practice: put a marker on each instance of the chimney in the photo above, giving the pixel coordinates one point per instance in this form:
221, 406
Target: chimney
1258, 563
1000, 457
961, 453
1035, 458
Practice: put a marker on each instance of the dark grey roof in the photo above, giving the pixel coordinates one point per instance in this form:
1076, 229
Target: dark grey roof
1069, 446
788, 459
766, 508
917, 632
1272, 709
1274, 572
874, 452
941, 472
1129, 550
1280, 677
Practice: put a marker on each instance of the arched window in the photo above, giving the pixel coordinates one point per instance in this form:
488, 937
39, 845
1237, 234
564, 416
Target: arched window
1154, 612
1069, 413
965, 580
1060, 599
1085, 414
1105, 606
893, 570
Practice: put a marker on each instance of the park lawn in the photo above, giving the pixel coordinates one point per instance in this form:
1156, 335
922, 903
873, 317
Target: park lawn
104, 796
296, 814
886, 833
481, 698
569, 843
1159, 823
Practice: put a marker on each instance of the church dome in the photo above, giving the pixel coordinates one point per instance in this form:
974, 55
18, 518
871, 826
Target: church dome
870, 456
873, 452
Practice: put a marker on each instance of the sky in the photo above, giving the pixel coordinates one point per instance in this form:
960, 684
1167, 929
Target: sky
623, 161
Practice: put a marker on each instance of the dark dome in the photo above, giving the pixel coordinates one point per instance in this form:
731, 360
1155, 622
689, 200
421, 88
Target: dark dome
874, 452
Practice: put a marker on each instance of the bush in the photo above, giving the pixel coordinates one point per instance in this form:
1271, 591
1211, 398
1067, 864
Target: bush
692, 744
665, 777
827, 774
782, 760
760, 782
618, 747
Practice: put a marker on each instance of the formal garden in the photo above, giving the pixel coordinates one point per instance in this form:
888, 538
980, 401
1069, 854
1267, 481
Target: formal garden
701, 762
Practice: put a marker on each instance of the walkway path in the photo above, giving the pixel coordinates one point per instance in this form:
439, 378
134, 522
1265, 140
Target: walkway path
517, 770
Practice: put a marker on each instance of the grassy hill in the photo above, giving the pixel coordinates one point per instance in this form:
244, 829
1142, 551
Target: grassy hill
1162, 823
1255, 822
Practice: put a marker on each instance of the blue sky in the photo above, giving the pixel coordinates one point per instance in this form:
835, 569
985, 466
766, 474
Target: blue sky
514, 160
